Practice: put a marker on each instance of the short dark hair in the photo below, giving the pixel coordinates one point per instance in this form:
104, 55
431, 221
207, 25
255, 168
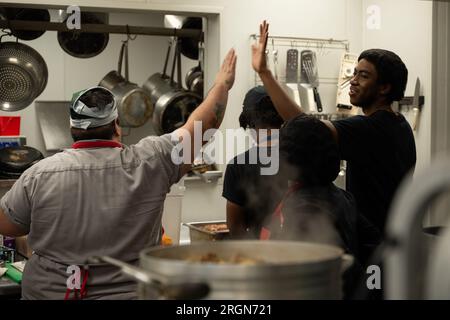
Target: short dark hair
95, 98
105, 132
307, 144
259, 111
390, 69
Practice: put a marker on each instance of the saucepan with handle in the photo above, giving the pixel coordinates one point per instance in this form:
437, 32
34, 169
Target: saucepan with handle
133, 103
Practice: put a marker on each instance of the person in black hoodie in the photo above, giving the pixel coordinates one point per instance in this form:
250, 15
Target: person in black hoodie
313, 209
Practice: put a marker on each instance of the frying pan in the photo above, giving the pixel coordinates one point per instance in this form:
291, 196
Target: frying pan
188, 46
15, 160
82, 44
25, 14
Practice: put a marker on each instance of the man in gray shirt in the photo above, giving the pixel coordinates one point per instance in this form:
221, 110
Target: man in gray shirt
100, 197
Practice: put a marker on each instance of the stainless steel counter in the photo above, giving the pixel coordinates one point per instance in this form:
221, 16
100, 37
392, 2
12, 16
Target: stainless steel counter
9, 289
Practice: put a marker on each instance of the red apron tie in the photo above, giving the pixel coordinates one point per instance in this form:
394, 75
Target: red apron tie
278, 214
82, 290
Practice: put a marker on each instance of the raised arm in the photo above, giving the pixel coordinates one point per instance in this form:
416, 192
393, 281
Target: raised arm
212, 110
286, 107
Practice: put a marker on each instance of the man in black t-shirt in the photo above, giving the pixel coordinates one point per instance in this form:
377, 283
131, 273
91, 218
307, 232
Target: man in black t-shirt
379, 147
252, 196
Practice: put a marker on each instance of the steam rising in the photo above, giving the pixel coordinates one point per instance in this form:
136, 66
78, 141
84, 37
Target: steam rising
306, 219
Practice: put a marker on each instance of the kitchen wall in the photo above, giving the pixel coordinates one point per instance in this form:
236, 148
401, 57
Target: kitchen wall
230, 23
338, 19
68, 74
408, 32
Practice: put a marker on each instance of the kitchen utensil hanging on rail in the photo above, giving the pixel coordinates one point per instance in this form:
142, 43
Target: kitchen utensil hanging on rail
133, 103
83, 44
23, 74
26, 14
173, 104
189, 47
194, 77
309, 69
159, 83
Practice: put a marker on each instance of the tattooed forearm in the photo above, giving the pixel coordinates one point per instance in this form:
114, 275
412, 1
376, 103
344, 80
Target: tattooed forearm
219, 111
228, 84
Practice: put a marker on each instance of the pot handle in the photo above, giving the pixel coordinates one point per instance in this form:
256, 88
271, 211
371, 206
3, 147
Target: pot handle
179, 87
174, 62
347, 262
126, 63
123, 56
127, 269
171, 290
164, 75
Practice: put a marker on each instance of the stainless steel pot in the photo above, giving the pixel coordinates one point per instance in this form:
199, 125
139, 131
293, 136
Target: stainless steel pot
290, 270
408, 251
173, 109
194, 80
173, 104
438, 277
133, 103
23, 74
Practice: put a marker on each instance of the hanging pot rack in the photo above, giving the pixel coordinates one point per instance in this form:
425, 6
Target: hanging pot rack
101, 28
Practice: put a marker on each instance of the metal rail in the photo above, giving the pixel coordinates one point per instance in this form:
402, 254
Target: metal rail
301, 41
101, 28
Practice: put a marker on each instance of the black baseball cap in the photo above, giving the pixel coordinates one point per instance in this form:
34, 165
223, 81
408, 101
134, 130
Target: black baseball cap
254, 96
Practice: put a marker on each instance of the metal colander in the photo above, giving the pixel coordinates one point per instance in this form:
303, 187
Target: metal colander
23, 75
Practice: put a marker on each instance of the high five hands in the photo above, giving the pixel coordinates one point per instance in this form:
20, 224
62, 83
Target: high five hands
259, 62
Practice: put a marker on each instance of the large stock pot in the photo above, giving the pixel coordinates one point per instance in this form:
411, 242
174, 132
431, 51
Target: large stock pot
285, 270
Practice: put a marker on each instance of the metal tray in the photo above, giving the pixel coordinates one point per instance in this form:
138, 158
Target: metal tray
197, 233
